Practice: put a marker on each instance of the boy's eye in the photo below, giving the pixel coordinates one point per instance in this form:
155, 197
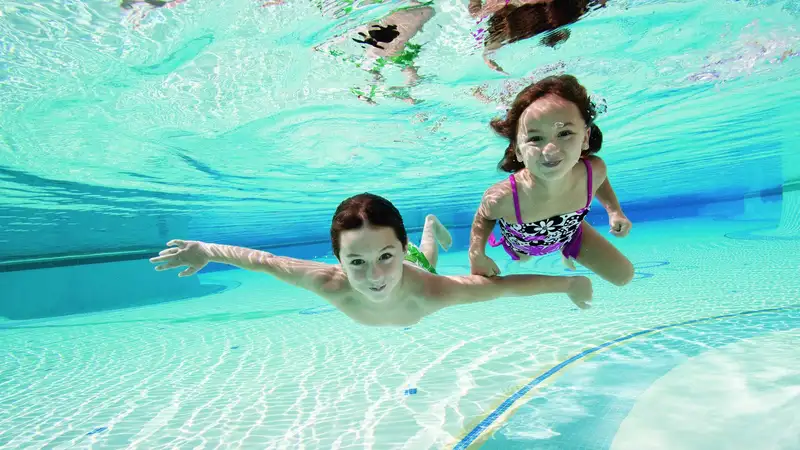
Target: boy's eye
357, 262
535, 139
565, 133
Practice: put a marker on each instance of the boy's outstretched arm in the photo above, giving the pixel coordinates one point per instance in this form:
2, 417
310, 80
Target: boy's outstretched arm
314, 276
452, 291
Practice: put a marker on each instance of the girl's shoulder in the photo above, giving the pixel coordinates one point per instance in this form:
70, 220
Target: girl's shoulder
497, 199
599, 170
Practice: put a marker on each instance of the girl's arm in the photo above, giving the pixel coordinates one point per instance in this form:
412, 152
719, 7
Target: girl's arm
608, 198
620, 225
603, 192
313, 276
482, 225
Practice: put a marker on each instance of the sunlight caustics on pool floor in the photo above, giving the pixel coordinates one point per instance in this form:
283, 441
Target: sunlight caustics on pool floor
266, 365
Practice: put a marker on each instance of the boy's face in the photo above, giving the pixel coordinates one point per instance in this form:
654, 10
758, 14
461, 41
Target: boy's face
372, 258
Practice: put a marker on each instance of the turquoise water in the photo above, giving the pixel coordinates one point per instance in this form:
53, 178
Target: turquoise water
262, 365
219, 121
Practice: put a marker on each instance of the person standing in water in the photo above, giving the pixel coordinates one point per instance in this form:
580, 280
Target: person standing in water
555, 174
387, 42
137, 10
516, 20
381, 278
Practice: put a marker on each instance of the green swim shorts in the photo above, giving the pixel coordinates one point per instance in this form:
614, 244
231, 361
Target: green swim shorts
415, 256
404, 60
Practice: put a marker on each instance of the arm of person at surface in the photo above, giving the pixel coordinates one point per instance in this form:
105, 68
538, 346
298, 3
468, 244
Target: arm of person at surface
450, 291
310, 275
491, 63
475, 7
479, 9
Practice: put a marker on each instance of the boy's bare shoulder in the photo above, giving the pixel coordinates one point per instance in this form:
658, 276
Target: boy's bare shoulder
420, 283
445, 291
332, 283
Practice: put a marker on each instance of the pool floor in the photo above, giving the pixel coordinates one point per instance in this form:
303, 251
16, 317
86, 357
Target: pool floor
708, 324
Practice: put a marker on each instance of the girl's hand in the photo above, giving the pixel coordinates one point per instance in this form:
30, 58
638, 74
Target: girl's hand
620, 225
183, 253
483, 265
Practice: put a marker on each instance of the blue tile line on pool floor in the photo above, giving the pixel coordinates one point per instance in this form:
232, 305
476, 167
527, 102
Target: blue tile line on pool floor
97, 430
489, 420
318, 310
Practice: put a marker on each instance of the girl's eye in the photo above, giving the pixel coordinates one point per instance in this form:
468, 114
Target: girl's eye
357, 262
386, 256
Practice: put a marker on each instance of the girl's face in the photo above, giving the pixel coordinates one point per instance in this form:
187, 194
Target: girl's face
372, 258
551, 137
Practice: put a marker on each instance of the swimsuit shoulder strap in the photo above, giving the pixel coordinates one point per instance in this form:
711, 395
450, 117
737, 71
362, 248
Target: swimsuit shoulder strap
588, 182
516, 197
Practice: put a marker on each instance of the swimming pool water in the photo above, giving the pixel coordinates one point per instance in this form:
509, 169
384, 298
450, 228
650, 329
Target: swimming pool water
218, 121
261, 365
220, 129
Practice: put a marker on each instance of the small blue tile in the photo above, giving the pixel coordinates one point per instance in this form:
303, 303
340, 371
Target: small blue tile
97, 430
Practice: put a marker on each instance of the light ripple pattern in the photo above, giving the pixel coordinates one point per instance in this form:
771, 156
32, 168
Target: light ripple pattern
247, 367
212, 116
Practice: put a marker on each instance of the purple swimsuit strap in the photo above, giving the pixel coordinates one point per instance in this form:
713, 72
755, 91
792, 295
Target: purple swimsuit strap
516, 198
572, 247
589, 182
